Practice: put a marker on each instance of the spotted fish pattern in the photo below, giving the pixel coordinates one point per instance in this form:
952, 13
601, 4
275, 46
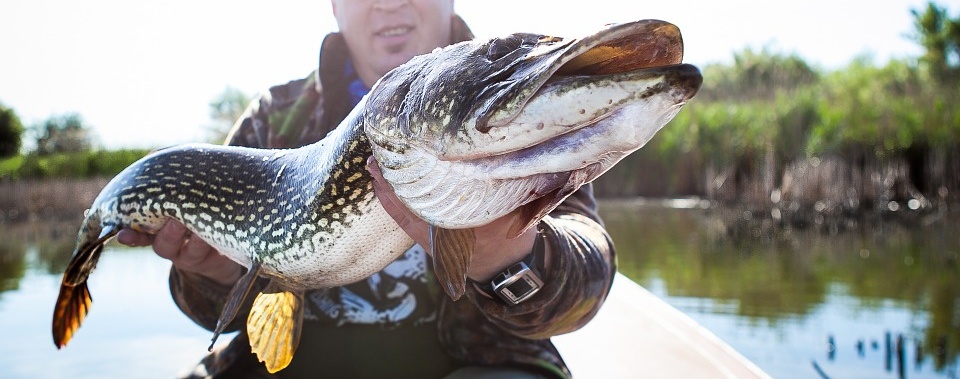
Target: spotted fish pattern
297, 215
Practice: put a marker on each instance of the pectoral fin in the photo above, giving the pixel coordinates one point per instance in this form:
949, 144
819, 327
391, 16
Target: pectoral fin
452, 249
274, 327
235, 299
533, 212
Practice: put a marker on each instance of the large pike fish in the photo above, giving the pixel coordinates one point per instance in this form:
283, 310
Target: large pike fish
463, 135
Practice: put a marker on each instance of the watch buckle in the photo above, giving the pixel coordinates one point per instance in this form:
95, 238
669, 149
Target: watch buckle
516, 284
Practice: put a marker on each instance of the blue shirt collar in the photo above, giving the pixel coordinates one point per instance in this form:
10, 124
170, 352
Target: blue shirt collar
356, 88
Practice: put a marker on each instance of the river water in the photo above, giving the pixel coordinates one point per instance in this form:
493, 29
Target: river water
799, 302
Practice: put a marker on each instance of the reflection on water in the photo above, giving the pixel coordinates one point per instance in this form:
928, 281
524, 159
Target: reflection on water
134, 330
874, 300
798, 300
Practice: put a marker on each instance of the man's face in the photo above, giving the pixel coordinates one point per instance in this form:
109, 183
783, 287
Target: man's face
383, 34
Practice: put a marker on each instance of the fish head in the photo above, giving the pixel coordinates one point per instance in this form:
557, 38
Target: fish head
473, 131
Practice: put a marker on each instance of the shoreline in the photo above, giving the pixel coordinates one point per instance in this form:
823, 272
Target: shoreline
65, 200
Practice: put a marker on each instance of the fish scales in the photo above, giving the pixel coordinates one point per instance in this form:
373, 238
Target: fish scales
277, 207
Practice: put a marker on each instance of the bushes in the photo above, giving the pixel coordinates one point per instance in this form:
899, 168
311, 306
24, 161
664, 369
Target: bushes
890, 109
753, 119
84, 164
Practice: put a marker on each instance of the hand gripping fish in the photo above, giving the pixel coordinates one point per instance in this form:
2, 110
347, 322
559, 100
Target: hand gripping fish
463, 135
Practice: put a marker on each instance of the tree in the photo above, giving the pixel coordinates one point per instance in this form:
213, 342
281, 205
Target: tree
940, 37
11, 132
66, 133
225, 109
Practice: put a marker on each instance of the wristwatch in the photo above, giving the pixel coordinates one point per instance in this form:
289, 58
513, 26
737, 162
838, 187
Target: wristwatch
521, 280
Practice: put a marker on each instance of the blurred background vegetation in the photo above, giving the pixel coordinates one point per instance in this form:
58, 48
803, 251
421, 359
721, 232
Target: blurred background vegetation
767, 130
64, 146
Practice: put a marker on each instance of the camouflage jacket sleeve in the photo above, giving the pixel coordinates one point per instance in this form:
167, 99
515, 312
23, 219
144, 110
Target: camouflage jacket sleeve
576, 283
285, 116
485, 331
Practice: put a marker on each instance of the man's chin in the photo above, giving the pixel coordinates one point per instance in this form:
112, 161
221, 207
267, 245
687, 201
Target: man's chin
393, 59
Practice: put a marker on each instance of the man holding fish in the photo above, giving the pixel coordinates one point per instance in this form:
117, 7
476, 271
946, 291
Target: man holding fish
398, 323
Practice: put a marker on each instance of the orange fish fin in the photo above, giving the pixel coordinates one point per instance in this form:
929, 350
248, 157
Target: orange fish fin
274, 327
74, 299
73, 303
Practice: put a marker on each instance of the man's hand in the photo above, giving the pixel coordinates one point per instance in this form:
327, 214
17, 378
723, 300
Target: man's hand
493, 251
173, 242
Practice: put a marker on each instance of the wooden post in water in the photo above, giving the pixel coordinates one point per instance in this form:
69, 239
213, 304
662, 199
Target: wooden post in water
831, 348
917, 352
900, 357
940, 352
888, 352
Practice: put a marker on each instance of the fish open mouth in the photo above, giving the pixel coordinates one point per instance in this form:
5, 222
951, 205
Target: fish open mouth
617, 88
645, 44
616, 50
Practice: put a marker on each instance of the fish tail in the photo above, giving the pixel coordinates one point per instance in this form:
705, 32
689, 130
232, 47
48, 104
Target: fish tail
274, 327
72, 306
74, 299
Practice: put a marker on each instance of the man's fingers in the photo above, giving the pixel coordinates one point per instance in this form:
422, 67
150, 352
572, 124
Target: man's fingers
387, 197
130, 237
193, 252
409, 222
169, 240
374, 169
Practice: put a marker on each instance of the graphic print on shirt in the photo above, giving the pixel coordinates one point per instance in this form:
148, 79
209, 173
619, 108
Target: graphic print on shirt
397, 295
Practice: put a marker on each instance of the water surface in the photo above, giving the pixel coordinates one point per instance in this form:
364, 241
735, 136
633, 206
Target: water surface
779, 296
133, 330
797, 300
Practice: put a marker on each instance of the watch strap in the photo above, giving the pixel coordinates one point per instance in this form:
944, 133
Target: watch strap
519, 281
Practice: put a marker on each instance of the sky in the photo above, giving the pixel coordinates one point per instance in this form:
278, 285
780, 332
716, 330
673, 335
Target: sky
142, 74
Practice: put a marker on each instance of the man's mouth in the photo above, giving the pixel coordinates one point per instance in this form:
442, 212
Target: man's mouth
394, 31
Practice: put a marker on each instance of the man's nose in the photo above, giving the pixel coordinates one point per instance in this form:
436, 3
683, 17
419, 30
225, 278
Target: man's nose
389, 5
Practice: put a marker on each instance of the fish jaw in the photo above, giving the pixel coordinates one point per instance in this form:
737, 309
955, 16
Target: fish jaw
449, 101
605, 120
472, 192
601, 72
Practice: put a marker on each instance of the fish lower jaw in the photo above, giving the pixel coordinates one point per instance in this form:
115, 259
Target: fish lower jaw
476, 201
